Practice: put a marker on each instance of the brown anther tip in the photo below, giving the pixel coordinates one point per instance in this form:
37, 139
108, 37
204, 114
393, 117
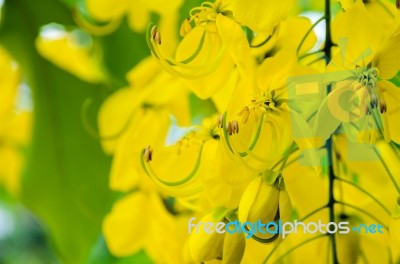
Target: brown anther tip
148, 154
383, 107
374, 101
229, 128
235, 127
220, 121
153, 31
398, 4
157, 38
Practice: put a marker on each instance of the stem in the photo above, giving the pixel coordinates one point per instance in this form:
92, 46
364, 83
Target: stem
328, 37
292, 249
309, 54
288, 153
396, 185
366, 193
331, 198
364, 212
312, 213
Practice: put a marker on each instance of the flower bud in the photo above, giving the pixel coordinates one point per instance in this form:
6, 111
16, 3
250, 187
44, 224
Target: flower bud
394, 225
203, 246
234, 246
348, 245
267, 200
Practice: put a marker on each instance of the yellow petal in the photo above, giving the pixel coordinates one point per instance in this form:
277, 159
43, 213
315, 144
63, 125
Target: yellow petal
236, 43
234, 246
261, 15
391, 95
126, 171
68, 54
388, 58
203, 246
115, 116
105, 10
124, 228
138, 15
360, 41
9, 80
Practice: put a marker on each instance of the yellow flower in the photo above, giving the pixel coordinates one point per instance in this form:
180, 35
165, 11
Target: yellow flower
14, 136
287, 35
15, 125
394, 225
10, 77
138, 12
225, 246
368, 57
265, 199
261, 16
208, 50
140, 220
130, 114
259, 106
66, 50
384, 11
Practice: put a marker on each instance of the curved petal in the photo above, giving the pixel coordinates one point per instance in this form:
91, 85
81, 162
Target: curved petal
124, 228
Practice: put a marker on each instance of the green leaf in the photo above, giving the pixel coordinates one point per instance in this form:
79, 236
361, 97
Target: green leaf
66, 179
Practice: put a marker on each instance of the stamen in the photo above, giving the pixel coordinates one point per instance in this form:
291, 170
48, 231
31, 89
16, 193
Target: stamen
185, 27
235, 127
153, 31
374, 101
183, 68
383, 106
232, 127
157, 38
148, 154
220, 121
150, 172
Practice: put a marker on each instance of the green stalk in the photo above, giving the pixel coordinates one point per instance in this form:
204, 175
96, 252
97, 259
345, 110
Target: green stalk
329, 143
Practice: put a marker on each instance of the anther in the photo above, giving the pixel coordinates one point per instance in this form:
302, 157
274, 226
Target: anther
398, 4
374, 101
235, 127
229, 128
220, 121
153, 31
383, 106
157, 37
148, 154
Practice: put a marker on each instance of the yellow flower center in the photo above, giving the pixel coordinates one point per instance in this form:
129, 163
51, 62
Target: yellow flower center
368, 76
266, 103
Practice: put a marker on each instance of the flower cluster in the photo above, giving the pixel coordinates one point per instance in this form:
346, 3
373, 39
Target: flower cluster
249, 117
